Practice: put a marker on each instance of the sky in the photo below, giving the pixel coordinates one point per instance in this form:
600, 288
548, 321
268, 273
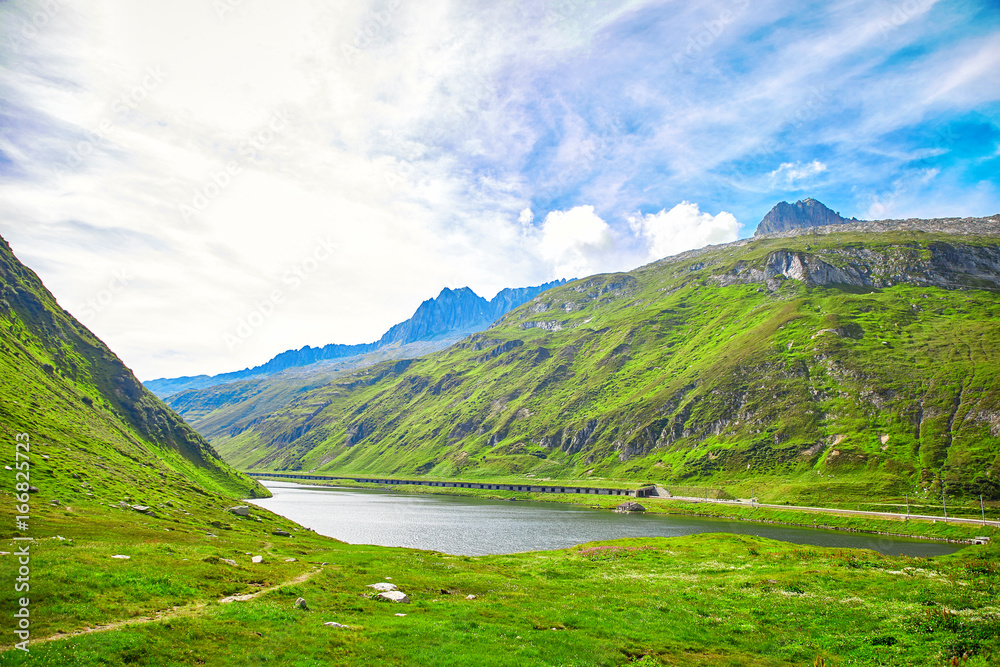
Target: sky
207, 183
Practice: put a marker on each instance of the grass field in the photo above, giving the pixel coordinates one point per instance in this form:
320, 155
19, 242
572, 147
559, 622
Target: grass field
699, 600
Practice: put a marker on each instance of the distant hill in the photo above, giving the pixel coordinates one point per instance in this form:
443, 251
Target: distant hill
800, 215
857, 355
437, 323
86, 416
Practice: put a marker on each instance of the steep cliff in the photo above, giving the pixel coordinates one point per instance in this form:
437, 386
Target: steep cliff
80, 405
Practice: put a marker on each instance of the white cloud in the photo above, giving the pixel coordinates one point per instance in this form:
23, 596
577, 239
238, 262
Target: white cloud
792, 174
431, 150
683, 227
576, 243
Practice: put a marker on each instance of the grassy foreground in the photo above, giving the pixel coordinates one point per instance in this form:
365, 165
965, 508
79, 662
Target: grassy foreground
699, 600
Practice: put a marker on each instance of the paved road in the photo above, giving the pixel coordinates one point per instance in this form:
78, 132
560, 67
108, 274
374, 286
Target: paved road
831, 510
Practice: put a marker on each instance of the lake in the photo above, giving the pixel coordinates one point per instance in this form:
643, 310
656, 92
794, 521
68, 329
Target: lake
475, 527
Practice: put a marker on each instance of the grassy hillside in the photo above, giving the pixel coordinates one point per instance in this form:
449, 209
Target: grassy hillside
94, 431
844, 363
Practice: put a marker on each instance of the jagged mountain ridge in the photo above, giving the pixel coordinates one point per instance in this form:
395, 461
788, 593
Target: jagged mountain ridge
449, 317
824, 353
62, 386
802, 214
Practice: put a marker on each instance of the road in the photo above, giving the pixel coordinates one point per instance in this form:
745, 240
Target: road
833, 510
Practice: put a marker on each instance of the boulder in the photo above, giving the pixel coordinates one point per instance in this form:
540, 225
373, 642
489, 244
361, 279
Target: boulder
240, 510
630, 506
383, 586
394, 596
300, 603
281, 533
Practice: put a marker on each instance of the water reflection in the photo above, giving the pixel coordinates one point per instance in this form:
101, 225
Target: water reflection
474, 527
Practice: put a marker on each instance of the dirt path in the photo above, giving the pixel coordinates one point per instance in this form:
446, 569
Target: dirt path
178, 612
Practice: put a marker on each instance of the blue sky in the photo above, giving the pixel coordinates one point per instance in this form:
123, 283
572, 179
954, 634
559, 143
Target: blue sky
206, 184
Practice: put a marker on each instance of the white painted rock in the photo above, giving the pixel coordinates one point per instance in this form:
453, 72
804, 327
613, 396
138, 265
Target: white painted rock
383, 586
257, 559
334, 625
394, 596
400, 614
121, 556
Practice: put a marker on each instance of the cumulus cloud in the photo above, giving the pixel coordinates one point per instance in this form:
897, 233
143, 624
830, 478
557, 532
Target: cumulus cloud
683, 227
576, 243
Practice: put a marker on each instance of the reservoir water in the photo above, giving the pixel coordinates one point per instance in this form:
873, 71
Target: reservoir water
474, 527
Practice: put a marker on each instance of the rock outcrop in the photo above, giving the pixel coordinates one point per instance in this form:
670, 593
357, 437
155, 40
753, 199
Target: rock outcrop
800, 215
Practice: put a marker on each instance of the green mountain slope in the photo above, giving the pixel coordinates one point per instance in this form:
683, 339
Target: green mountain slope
851, 357
86, 415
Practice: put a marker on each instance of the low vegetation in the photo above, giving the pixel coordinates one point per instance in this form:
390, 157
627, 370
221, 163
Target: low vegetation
711, 599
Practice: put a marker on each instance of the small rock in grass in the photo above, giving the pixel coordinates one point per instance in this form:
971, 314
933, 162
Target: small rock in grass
7, 468
257, 559
228, 561
281, 533
32, 489
400, 614
121, 557
394, 596
300, 603
383, 586
470, 597
55, 502
290, 560
240, 510
331, 624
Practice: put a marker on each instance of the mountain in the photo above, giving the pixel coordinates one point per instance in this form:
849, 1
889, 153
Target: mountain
862, 357
83, 412
800, 215
437, 323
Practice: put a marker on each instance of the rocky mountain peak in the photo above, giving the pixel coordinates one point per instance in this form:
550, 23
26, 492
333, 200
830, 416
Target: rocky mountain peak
800, 215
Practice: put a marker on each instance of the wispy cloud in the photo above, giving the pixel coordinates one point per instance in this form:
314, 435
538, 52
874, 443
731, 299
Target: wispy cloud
446, 143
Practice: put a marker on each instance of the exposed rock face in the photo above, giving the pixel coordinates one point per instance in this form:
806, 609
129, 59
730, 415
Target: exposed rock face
800, 215
939, 265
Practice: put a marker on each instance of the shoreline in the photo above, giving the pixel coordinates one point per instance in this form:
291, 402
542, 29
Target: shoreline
681, 507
